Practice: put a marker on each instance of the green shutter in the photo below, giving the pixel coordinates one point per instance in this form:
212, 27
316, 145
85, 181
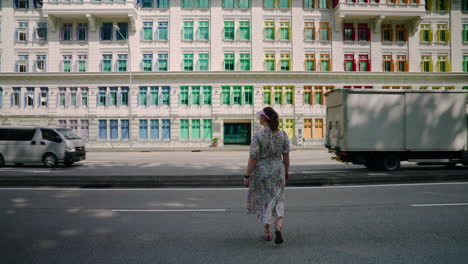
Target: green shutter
195, 95
184, 128
207, 128
225, 95
207, 95
183, 95
267, 98
195, 128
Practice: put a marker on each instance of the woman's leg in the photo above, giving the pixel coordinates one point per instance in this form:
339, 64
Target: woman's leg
267, 232
278, 228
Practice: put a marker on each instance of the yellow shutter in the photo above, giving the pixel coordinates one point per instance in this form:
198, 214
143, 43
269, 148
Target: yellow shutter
421, 35
431, 66
438, 35
448, 69
448, 5
447, 32
431, 33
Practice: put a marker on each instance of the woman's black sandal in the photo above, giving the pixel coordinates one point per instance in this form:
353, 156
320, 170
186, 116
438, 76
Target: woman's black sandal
279, 237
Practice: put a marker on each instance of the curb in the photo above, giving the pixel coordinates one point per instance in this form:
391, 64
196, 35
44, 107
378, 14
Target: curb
211, 180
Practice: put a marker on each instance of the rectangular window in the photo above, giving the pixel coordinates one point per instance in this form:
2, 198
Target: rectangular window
163, 3
229, 61
236, 95
165, 93
147, 63
207, 95
82, 32
228, 3
203, 3
66, 32
350, 64
269, 3
82, 59
166, 128
465, 63
73, 96
162, 62
154, 90
244, 3
122, 62
325, 63
244, 30
324, 3
62, 97
269, 30
229, 30
124, 129
278, 95
464, 5
443, 64
203, 62
325, 31
267, 95
270, 62
143, 95
309, 31
84, 129
465, 31
364, 63
307, 95
387, 32
401, 33
348, 33
114, 129
15, 97
195, 95
123, 95
244, 61
147, 3
44, 96
442, 33
289, 128
285, 30
29, 97
188, 30
41, 63
22, 65
363, 32
285, 62
425, 34
309, 3
188, 4
310, 62
308, 128
143, 129
101, 96
147, 31
106, 31
106, 64
196, 128
184, 128
248, 95
41, 31
102, 129
188, 62
113, 95
122, 34
318, 95
225, 95
22, 32
318, 128
62, 123
184, 95
154, 128
443, 5
402, 63
289, 93
203, 30
66, 64
387, 63
21, 3
284, 4
84, 96
426, 63
207, 129
162, 30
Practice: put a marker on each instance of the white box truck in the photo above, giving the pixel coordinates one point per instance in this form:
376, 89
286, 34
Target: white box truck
379, 129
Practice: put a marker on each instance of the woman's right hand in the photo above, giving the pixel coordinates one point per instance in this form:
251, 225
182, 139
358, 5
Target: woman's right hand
287, 176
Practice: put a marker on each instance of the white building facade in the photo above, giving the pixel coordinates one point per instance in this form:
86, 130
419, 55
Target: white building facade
177, 73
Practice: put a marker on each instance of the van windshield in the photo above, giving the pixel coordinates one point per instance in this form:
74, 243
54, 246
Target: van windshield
67, 133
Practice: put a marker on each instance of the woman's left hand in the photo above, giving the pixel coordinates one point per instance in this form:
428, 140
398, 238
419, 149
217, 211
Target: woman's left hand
246, 183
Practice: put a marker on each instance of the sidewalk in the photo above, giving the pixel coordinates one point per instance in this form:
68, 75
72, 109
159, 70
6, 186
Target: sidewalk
199, 149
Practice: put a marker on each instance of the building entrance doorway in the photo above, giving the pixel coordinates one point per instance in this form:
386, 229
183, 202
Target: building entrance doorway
237, 133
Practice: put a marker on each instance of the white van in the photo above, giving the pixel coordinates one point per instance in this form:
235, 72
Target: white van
40, 145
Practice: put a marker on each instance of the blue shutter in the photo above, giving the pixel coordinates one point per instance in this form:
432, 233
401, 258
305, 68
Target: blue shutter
27, 4
35, 3
15, 3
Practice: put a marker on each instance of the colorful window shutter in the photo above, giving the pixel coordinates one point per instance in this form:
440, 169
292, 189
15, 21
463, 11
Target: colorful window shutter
184, 128
207, 129
143, 129
154, 125
196, 128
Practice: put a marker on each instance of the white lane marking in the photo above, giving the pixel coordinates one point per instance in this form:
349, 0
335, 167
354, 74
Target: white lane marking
445, 204
377, 174
227, 189
41, 171
168, 210
315, 172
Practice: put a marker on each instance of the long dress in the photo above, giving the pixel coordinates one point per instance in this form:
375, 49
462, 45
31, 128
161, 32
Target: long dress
266, 190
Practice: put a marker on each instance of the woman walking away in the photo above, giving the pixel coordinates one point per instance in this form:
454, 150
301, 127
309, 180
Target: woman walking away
267, 173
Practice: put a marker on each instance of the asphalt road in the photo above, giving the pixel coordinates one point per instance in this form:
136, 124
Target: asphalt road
423, 223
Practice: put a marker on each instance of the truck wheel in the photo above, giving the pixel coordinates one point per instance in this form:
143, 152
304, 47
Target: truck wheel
2, 161
50, 161
390, 162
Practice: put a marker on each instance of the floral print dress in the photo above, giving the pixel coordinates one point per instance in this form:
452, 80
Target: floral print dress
266, 190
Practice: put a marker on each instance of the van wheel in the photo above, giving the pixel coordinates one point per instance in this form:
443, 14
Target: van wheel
390, 162
50, 161
2, 161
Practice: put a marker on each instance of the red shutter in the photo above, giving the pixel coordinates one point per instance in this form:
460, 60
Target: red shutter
354, 65
368, 34
353, 34
369, 65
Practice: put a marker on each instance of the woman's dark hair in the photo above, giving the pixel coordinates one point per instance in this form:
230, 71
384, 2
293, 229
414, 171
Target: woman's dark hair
273, 123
